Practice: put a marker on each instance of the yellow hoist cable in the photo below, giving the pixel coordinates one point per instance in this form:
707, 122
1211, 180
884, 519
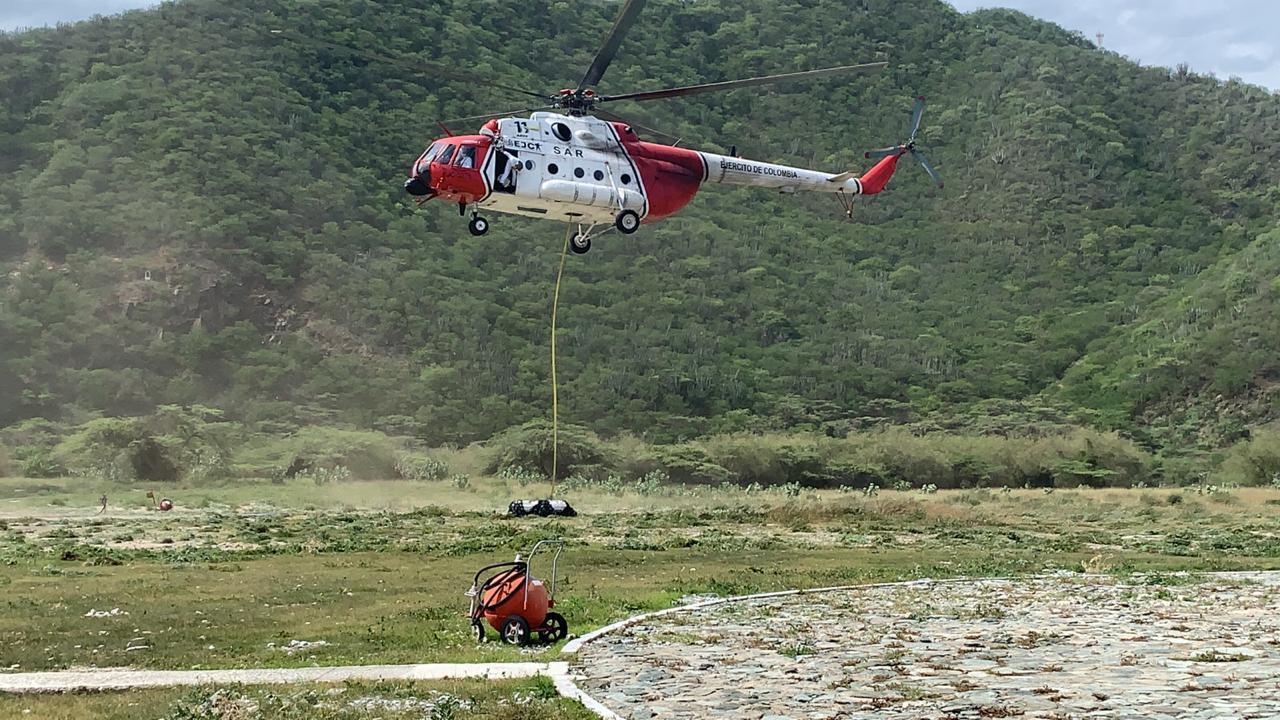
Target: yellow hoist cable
555, 400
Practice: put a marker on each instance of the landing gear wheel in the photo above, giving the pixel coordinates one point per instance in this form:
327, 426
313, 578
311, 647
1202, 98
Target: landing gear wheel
478, 226
515, 631
580, 244
556, 628
627, 222
477, 630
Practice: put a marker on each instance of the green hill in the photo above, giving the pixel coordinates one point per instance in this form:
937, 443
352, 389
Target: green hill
1200, 365
194, 211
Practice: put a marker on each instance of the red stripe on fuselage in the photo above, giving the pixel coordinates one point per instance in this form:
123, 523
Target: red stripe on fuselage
671, 175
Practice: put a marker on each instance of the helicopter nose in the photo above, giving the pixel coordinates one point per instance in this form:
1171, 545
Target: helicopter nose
416, 186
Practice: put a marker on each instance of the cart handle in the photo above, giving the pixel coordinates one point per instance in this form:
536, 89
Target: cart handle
555, 561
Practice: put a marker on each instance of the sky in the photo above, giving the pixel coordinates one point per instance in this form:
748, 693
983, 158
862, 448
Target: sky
1229, 38
1239, 38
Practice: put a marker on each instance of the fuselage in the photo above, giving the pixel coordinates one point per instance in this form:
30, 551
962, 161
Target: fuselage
587, 170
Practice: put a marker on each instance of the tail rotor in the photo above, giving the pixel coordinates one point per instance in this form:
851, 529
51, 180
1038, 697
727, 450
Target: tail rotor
909, 147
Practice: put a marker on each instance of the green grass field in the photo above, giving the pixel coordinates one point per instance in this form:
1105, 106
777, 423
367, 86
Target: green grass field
377, 570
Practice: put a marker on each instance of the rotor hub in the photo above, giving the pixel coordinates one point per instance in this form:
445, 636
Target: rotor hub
577, 102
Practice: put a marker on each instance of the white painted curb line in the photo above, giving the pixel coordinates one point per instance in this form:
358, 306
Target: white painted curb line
118, 679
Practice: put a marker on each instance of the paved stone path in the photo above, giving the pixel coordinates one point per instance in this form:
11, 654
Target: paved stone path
1202, 648
123, 678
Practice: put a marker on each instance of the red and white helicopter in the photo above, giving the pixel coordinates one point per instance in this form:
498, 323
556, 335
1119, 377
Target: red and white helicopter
563, 163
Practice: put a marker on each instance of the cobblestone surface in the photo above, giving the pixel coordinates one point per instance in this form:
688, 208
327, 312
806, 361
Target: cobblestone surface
1165, 646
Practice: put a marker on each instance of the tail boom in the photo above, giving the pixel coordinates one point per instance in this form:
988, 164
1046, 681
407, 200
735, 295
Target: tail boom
726, 170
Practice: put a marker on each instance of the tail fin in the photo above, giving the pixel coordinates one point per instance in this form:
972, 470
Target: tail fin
877, 177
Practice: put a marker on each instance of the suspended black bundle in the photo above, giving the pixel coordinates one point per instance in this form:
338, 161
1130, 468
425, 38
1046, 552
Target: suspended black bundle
541, 508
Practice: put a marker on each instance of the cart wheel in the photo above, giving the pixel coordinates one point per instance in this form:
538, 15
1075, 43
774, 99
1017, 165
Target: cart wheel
556, 628
515, 630
477, 630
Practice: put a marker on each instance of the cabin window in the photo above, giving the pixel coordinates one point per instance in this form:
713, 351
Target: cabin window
626, 179
578, 172
561, 131
553, 168
598, 176
446, 155
466, 157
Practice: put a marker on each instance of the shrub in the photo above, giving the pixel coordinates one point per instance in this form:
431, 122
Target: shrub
170, 443
521, 476
691, 464
417, 467
325, 475
35, 462
529, 446
1253, 462
652, 483
366, 455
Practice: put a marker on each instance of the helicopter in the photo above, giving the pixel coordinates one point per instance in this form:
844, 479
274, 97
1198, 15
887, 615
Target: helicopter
571, 160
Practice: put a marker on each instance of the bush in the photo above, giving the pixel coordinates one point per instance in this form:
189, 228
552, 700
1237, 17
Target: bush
416, 467
1253, 462
172, 442
35, 462
690, 464
119, 449
521, 476
529, 447
325, 475
365, 455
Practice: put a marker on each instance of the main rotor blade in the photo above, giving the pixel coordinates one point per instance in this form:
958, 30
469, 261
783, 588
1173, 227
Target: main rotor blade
626, 18
886, 152
731, 84
486, 116
421, 66
618, 118
915, 119
924, 162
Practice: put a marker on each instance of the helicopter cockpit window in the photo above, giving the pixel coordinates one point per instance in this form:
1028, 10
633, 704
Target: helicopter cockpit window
424, 164
446, 155
561, 131
466, 157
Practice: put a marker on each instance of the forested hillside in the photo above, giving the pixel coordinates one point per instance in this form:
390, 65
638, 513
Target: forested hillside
196, 211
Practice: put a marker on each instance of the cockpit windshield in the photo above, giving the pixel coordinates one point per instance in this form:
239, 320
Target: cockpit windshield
445, 155
424, 164
466, 156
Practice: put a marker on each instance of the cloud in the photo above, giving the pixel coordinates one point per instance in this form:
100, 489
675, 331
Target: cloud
1226, 37
17, 14
1250, 50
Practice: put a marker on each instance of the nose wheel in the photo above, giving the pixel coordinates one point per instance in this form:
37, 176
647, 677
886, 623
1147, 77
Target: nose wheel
580, 243
478, 226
